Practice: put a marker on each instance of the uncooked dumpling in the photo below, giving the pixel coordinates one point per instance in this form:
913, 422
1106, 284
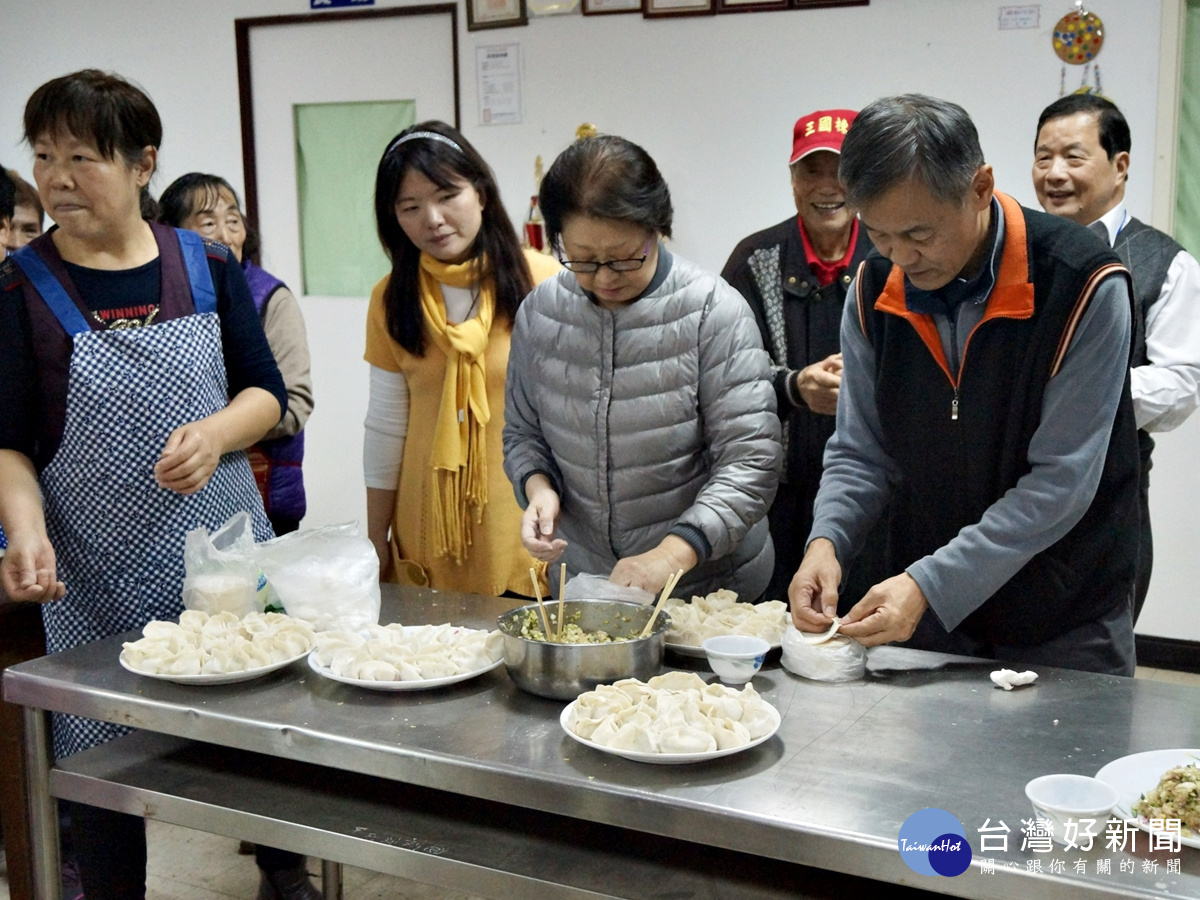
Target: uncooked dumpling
685, 739
676, 681
374, 670
637, 738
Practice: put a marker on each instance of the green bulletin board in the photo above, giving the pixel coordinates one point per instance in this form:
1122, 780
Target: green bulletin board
338, 146
1187, 190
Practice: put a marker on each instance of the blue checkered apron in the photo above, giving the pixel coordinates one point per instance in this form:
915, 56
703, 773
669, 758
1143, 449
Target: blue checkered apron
118, 537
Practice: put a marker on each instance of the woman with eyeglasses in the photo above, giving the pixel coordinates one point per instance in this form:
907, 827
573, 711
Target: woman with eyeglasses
641, 434
439, 509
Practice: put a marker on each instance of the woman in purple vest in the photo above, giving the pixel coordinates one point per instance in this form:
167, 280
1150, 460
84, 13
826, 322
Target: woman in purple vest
208, 205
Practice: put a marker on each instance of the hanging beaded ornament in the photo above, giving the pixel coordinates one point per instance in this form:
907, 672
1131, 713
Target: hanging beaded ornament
1078, 37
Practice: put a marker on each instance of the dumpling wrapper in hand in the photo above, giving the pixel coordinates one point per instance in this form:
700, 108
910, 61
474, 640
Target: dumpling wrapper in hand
811, 638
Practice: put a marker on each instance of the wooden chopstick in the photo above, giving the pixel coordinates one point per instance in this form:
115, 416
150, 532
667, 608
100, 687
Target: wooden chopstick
667, 588
537, 592
562, 589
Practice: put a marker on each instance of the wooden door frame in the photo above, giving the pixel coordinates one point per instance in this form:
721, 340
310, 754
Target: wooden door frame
242, 29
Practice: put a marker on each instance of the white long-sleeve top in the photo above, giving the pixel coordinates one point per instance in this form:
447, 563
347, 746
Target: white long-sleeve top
387, 405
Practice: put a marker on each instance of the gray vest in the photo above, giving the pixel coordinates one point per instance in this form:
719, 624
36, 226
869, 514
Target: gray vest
1147, 253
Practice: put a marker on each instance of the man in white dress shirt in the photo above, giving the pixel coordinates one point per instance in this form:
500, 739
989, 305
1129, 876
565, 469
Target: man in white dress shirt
1080, 168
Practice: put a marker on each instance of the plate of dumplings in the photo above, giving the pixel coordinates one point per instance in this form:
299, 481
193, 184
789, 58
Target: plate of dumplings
406, 657
671, 719
719, 614
217, 649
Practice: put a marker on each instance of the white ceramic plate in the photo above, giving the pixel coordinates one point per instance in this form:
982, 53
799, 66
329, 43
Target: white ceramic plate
667, 759
1139, 773
225, 678
698, 652
424, 685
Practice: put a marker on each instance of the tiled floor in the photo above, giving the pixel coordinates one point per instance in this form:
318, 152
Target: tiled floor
191, 865
1168, 675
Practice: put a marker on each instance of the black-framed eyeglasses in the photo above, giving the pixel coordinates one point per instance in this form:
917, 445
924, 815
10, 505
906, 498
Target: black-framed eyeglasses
590, 267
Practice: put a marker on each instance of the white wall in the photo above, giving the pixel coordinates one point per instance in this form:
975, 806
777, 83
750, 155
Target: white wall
712, 99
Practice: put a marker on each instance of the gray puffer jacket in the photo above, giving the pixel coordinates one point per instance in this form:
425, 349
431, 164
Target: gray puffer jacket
651, 419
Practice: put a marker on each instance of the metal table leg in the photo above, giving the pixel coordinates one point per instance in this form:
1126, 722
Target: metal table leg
43, 809
331, 880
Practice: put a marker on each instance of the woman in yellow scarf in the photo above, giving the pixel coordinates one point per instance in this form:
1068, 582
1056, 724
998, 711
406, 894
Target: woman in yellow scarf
440, 510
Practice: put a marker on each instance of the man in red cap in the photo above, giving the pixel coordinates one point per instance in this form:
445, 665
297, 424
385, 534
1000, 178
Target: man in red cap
794, 275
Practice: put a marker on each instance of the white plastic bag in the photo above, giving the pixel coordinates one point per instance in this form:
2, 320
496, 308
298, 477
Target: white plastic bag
221, 574
598, 587
838, 659
328, 576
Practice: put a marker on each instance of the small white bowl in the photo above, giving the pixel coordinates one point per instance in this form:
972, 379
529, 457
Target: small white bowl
1062, 797
735, 657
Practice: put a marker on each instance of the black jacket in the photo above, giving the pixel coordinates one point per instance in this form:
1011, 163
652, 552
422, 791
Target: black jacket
799, 322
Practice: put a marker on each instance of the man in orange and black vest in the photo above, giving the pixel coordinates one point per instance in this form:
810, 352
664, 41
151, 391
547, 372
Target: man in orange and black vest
985, 395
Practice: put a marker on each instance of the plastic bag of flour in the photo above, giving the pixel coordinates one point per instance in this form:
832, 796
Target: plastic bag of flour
328, 576
837, 659
221, 574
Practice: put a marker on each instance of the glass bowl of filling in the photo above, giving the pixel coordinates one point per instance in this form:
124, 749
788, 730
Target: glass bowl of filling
601, 643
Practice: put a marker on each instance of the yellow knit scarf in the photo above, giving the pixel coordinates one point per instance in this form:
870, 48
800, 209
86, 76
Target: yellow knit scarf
460, 436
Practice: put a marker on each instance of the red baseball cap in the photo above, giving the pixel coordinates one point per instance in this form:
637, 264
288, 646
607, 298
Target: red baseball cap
820, 130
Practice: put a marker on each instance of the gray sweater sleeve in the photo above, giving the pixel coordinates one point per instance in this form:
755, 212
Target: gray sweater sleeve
1066, 456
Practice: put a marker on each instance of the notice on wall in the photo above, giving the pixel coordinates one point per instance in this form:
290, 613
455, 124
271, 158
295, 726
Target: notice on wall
1020, 16
498, 71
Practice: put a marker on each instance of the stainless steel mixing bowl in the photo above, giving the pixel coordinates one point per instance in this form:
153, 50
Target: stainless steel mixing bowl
564, 671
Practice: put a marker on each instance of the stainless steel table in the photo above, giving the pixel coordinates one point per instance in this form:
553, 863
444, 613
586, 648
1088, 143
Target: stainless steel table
830, 791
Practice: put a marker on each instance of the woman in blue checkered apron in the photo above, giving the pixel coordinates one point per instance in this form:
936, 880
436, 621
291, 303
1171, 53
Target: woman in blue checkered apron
127, 395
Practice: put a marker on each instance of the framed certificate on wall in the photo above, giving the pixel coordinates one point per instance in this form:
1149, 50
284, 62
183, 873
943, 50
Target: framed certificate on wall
483, 14
608, 7
661, 9
734, 6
